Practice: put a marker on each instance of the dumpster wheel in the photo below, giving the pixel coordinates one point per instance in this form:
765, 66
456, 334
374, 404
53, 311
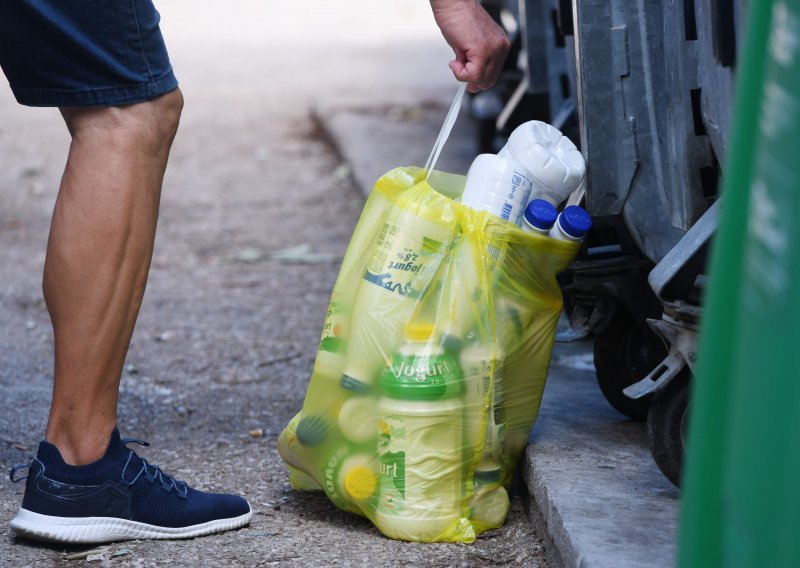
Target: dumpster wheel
667, 425
624, 353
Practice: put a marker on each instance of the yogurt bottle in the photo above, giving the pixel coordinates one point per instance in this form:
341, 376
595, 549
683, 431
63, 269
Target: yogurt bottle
350, 479
403, 262
556, 167
420, 441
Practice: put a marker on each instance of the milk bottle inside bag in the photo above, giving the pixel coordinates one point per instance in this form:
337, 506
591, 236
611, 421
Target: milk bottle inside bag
497, 185
555, 165
540, 216
572, 224
501, 187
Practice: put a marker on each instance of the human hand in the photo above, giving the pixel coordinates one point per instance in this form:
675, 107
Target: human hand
480, 45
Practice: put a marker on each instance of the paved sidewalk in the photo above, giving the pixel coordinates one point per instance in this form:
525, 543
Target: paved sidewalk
595, 491
375, 139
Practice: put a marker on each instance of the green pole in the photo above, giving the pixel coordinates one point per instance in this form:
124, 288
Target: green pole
741, 500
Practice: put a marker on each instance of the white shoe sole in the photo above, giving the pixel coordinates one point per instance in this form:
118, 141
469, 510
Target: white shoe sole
108, 529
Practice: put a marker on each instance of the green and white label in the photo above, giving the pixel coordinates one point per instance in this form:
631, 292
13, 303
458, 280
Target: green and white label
392, 452
402, 261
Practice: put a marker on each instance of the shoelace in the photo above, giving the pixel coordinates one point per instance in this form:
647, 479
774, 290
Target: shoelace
168, 483
15, 469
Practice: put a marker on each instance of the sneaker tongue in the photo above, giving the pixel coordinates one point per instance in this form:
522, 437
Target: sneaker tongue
107, 467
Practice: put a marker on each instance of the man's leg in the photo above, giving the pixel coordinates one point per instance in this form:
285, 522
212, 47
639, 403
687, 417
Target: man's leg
98, 257
109, 72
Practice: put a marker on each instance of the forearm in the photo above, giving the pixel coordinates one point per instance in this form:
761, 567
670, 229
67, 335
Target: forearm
439, 4
443, 7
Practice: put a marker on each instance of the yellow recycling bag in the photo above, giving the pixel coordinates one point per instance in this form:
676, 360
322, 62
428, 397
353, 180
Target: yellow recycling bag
431, 365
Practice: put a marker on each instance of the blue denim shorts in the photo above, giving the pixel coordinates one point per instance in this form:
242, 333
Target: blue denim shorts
83, 52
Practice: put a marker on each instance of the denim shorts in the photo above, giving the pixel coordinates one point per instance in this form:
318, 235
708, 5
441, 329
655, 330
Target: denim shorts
83, 52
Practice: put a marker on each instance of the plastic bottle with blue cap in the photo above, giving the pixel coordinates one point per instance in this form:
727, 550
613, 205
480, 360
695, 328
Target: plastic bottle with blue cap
572, 224
540, 216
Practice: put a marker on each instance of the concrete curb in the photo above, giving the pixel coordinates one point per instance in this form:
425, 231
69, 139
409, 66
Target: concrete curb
591, 477
372, 140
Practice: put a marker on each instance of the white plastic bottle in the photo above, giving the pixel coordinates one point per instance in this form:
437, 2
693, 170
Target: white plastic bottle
555, 165
497, 185
540, 216
420, 441
572, 224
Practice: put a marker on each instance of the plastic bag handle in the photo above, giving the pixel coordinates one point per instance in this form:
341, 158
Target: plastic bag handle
444, 133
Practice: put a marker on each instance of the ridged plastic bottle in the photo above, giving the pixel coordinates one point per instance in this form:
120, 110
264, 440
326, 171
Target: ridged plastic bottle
497, 185
555, 165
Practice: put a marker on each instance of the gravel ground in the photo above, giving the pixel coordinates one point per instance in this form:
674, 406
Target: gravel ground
226, 338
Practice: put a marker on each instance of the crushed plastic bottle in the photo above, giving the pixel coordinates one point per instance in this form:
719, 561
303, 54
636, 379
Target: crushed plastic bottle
555, 164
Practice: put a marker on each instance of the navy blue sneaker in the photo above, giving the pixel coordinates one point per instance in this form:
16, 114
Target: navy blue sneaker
119, 497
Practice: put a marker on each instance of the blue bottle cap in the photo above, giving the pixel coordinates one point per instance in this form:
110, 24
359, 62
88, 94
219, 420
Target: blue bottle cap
540, 214
575, 222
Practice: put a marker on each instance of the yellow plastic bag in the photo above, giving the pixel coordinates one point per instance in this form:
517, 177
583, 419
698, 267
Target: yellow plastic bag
431, 365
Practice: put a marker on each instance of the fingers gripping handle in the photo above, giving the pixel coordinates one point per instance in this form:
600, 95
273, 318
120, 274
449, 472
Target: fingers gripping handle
444, 133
